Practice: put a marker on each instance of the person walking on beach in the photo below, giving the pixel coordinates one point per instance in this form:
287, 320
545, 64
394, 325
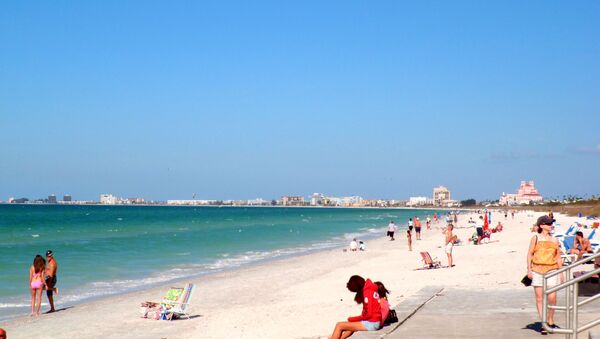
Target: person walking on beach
543, 257
450, 239
418, 228
409, 238
370, 318
428, 222
51, 270
37, 277
479, 227
391, 230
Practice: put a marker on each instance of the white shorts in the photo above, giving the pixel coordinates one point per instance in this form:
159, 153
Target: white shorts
449, 247
538, 279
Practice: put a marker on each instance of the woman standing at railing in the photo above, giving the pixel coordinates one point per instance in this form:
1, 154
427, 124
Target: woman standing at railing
544, 256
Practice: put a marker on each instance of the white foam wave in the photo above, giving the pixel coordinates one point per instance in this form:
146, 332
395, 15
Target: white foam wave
9, 305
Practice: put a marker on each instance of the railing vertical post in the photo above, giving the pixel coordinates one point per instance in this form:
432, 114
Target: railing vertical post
544, 300
575, 309
568, 296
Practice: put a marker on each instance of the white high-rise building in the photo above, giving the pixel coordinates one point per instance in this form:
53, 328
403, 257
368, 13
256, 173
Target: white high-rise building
441, 194
108, 199
316, 199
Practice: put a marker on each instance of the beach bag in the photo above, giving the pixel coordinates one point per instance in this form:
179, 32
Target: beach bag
391, 318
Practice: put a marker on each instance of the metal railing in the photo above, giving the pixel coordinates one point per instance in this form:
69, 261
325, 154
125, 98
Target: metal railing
572, 303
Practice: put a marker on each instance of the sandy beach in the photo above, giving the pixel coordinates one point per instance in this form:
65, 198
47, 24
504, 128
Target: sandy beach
300, 297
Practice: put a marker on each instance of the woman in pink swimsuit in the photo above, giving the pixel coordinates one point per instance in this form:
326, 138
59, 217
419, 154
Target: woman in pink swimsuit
37, 280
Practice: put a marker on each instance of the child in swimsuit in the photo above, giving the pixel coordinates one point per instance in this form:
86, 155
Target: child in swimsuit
37, 280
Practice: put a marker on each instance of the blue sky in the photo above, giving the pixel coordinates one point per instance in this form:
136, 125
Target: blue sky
260, 99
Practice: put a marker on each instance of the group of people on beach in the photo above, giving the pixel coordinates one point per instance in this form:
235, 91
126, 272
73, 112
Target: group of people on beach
357, 245
42, 276
375, 308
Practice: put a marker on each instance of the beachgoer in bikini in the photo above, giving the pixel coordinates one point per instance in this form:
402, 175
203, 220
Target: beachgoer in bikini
543, 257
370, 320
581, 245
37, 281
409, 238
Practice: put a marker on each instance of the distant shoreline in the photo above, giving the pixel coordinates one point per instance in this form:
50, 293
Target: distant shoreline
253, 206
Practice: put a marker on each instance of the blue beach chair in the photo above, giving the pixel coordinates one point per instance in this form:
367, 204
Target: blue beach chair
568, 243
567, 233
591, 236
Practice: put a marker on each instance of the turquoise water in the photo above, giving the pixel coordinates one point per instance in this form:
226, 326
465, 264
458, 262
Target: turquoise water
104, 250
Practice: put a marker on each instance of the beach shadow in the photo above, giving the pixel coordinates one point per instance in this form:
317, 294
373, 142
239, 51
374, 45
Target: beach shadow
536, 326
60, 309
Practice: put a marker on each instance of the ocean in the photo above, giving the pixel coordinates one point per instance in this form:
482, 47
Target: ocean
105, 250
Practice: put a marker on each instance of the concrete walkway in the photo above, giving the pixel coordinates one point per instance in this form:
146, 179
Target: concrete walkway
459, 313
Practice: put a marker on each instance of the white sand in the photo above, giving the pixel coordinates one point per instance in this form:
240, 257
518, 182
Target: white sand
302, 296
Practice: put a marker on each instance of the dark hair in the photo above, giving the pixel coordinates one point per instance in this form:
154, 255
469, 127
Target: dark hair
539, 229
356, 284
39, 263
381, 290
410, 228
579, 233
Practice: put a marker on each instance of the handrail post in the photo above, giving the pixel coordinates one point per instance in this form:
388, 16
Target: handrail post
575, 309
544, 300
568, 296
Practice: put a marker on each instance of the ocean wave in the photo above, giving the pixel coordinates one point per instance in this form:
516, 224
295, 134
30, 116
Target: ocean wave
12, 305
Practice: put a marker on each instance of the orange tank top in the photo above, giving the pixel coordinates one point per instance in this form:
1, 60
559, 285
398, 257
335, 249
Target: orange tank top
544, 256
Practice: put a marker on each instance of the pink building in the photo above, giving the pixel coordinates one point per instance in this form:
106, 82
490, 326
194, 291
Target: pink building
526, 194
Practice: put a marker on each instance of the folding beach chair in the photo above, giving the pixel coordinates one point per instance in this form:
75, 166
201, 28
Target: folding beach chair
180, 307
429, 263
176, 303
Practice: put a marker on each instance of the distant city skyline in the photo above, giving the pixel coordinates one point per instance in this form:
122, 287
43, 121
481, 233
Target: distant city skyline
245, 100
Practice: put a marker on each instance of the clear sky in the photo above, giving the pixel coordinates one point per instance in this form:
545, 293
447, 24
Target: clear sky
248, 99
